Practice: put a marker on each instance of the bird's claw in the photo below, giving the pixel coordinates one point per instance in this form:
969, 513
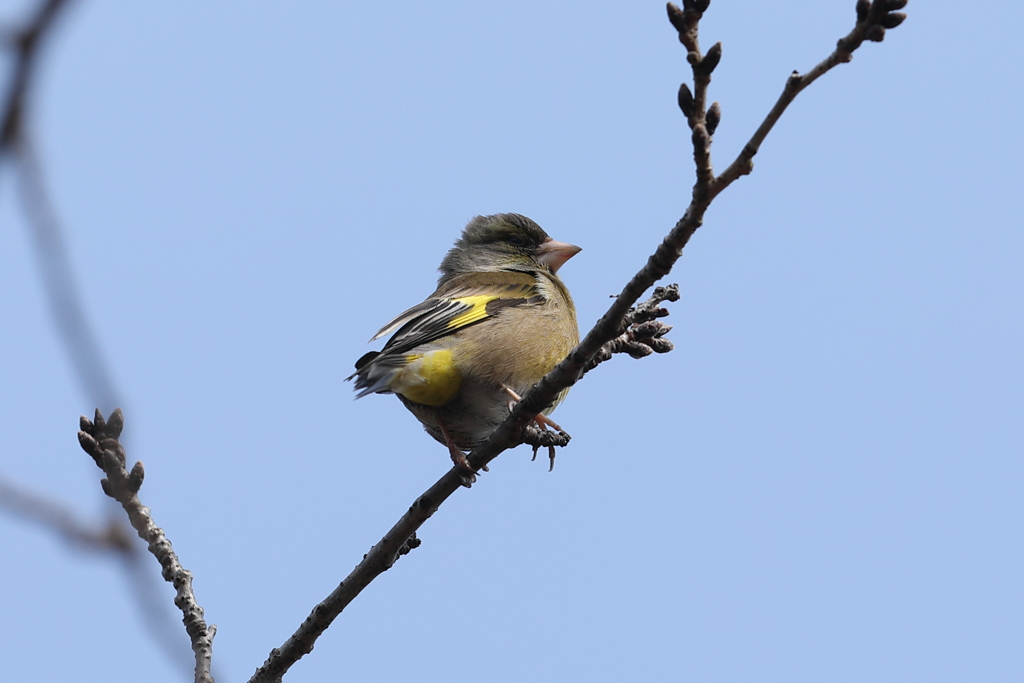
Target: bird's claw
543, 423
539, 437
467, 475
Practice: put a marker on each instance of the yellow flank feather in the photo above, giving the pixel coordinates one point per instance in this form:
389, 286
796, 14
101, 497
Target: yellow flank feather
431, 378
477, 311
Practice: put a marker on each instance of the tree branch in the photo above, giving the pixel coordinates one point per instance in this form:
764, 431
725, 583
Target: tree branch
99, 439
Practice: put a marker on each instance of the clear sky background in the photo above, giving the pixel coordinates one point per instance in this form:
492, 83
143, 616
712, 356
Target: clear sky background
823, 482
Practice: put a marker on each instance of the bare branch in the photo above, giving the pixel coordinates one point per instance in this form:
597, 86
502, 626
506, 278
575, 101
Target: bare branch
99, 438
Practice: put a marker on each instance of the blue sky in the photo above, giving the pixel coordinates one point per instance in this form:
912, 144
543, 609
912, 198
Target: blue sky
822, 482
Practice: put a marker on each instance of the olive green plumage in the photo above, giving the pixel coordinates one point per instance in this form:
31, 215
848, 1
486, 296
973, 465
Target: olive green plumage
499, 320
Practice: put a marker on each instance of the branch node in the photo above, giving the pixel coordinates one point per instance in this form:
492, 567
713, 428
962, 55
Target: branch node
113, 451
875, 33
410, 543
685, 21
642, 333
700, 138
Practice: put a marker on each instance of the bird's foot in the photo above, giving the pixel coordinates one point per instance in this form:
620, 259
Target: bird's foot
538, 437
467, 475
542, 420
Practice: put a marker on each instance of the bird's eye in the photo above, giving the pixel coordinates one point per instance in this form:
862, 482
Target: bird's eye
516, 241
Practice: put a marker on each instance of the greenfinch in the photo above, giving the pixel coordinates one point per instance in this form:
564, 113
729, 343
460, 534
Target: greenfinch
500, 320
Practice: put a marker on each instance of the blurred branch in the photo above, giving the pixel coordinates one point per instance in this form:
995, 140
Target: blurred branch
73, 326
77, 336
110, 538
872, 19
34, 507
99, 438
25, 42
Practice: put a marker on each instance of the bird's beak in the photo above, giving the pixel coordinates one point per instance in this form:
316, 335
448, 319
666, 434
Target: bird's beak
553, 254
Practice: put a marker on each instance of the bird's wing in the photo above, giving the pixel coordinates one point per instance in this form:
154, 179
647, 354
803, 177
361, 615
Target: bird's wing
465, 301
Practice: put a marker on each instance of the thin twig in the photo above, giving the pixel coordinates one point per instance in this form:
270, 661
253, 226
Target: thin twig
99, 438
687, 22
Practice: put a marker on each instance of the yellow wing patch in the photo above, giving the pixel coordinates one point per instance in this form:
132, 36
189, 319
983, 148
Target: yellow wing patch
477, 310
430, 378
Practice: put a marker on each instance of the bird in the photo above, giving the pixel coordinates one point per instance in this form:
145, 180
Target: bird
499, 320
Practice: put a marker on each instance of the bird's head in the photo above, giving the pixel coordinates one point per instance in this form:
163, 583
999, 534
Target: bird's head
505, 241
